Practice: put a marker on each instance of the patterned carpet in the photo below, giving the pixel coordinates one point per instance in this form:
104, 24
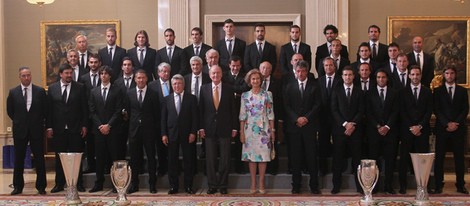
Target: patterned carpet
207, 200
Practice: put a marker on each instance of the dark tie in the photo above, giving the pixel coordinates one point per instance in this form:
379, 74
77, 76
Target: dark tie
263, 86
141, 60
25, 96
127, 82
382, 96
374, 51
395, 71
336, 63
196, 87
348, 94
230, 47
111, 54
295, 48
197, 51
178, 104
328, 85
450, 93
82, 61
415, 93
403, 79
418, 60
302, 90
104, 94
329, 49
140, 97
169, 53
260, 49
64, 93
94, 80
364, 88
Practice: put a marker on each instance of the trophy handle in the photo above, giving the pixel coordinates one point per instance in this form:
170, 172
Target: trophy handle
377, 173
111, 172
359, 176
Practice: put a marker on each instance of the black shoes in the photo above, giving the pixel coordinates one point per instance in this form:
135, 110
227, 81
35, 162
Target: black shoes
132, 189
402, 191
223, 191
295, 191
114, 190
334, 191
57, 189
172, 191
96, 188
16, 191
152, 189
211, 191
462, 190
42, 192
315, 191
390, 191
189, 190
80, 188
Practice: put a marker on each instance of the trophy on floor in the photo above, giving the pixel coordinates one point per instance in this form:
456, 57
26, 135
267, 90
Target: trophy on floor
368, 175
71, 165
422, 164
121, 178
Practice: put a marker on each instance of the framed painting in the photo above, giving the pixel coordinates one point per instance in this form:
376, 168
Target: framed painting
57, 37
446, 38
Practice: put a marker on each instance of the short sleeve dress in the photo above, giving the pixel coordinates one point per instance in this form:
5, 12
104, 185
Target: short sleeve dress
256, 110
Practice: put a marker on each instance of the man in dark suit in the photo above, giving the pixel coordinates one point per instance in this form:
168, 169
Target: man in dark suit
415, 113
212, 58
364, 53
339, 61
302, 100
423, 60
401, 79
259, 51
194, 80
171, 54
197, 48
391, 65
451, 109
27, 107
66, 121
105, 105
294, 46
366, 80
378, 50
72, 59
143, 107
324, 50
112, 54
143, 57
347, 108
292, 76
218, 123
180, 117
382, 126
229, 46
83, 53
326, 83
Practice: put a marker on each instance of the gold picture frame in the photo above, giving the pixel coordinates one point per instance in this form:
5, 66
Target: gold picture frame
59, 36
445, 37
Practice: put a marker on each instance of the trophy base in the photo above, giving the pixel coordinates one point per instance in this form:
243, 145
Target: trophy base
422, 202
367, 201
123, 202
73, 202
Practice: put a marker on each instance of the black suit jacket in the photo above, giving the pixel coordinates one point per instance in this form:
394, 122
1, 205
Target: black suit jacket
343, 111
74, 113
428, 67
146, 117
275, 87
374, 66
447, 110
108, 112
395, 81
25, 121
120, 83
116, 63
308, 106
156, 87
179, 126
342, 63
287, 51
253, 59
238, 49
177, 59
415, 113
322, 52
188, 52
379, 114
86, 80
149, 65
217, 123
188, 81
238, 84
83, 67
382, 54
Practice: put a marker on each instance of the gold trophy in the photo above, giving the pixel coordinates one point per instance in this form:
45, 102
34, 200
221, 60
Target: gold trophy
368, 175
422, 164
121, 178
71, 166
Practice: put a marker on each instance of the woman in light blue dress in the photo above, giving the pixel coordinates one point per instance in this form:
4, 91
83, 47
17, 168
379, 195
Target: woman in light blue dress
256, 128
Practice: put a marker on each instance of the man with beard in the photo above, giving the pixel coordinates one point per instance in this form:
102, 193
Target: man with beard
259, 51
293, 47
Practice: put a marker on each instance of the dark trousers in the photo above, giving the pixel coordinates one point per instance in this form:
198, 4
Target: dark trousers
106, 150
136, 146
37, 148
303, 148
67, 141
410, 143
237, 153
325, 147
456, 142
123, 137
189, 151
162, 155
218, 178
341, 143
385, 146
90, 148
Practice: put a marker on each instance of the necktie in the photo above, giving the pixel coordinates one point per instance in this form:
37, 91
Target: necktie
169, 53
336, 63
415, 93
25, 96
364, 87
197, 51
94, 80
328, 85
382, 96
395, 68
450, 93
82, 61
230, 47
127, 82
141, 59
178, 103
74, 75
329, 49
111, 54
302, 90
216, 97
374, 51
104, 93
64, 93
403, 79
196, 87
260, 49
295, 48
348, 94
140, 97
263, 86
418, 60
165, 89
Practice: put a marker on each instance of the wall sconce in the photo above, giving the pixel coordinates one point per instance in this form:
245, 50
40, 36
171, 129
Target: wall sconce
40, 2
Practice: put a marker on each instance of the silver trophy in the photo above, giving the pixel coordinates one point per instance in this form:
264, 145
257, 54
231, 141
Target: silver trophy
368, 175
121, 178
422, 164
71, 165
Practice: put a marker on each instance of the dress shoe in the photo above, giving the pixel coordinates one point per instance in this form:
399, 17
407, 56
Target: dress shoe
402, 191
211, 191
315, 191
172, 191
334, 191
295, 191
390, 191
436, 191
16, 191
114, 190
57, 189
462, 190
152, 189
42, 192
80, 188
96, 188
223, 191
132, 189
189, 190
